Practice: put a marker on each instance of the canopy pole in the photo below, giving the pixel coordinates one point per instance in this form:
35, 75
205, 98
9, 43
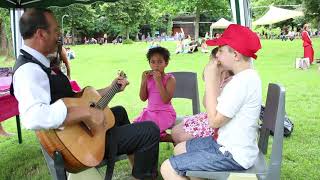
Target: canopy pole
241, 12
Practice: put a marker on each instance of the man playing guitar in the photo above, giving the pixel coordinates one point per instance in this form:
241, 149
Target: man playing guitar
40, 92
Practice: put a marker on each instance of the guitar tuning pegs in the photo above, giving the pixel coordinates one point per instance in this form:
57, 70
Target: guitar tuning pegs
122, 74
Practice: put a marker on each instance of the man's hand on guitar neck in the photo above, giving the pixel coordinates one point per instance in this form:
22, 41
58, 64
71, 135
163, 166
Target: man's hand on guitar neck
122, 81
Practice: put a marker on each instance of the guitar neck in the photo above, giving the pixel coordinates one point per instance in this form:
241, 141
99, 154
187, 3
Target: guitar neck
104, 101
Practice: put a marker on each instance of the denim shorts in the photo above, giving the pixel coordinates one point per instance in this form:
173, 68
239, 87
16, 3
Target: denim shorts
203, 154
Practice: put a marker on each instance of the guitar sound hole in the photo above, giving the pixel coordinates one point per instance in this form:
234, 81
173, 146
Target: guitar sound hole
92, 104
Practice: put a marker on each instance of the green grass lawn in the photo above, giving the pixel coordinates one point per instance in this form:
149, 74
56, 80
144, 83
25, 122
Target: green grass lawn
97, 65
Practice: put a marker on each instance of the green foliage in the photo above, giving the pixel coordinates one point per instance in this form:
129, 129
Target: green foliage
5, 19
198, 7
159, 15
125, 14
126, 17
259, 29
312, 11
128, 41
80, 17
207, 6
5, 23
276, 31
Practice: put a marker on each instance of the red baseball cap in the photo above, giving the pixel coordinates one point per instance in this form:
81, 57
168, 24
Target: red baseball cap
240, 38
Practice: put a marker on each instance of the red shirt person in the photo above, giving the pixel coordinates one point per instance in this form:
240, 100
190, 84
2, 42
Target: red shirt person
307, 44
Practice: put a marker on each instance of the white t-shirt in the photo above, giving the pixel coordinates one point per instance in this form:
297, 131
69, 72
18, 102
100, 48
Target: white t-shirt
241, 100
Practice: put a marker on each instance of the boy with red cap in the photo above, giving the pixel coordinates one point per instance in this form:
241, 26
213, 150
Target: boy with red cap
235, 111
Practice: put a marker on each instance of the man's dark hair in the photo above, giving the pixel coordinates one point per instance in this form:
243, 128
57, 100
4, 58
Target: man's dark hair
31, 20
161, 51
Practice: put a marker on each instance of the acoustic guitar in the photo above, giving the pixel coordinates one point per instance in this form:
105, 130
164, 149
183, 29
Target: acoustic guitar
79, 147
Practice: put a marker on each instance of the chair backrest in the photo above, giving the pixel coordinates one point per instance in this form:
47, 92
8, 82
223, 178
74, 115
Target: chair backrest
273, 119
187, 87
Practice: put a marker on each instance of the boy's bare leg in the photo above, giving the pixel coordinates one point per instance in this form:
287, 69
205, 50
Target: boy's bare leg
179, 134
180, 148
169, 173
167, 170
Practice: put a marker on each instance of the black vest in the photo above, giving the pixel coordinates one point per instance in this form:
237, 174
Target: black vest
59, 84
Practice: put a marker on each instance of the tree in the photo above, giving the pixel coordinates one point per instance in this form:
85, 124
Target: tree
5, 33
199, 7
312, 10
160, 14
79, 16
126, 14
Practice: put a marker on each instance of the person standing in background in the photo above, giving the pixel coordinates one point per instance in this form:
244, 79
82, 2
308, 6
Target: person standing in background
307, 44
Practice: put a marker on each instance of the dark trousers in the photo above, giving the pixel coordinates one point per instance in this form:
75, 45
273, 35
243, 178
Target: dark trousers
140, 139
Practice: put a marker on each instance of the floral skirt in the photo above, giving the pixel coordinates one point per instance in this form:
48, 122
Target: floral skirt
198, 125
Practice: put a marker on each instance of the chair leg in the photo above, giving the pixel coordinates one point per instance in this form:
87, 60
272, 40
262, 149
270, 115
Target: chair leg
19, 129
57, 170
59, 166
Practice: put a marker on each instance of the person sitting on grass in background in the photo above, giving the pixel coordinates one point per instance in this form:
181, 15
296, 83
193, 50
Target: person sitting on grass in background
158, 88
70, 54
193, 46
235, 111
179, 47
197, 125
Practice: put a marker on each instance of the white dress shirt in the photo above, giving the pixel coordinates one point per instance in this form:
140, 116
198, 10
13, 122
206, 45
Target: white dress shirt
32, 90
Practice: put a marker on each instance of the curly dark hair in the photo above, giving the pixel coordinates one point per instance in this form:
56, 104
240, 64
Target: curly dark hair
161, 51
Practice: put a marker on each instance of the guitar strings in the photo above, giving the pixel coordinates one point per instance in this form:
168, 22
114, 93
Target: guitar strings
104, 101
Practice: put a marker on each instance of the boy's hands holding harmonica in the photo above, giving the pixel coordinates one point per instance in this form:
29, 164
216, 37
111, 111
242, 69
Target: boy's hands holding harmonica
213, 71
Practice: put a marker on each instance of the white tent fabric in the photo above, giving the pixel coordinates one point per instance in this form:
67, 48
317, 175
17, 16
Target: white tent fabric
276, 14
221, 24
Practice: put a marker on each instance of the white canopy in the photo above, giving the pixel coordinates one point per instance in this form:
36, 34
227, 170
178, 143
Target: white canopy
275, 15
221, 24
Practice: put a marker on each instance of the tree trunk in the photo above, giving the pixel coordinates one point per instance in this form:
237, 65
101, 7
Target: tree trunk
72, 32
127, 33
10, 53
169, 27
196, 25
73, 42
3, 38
